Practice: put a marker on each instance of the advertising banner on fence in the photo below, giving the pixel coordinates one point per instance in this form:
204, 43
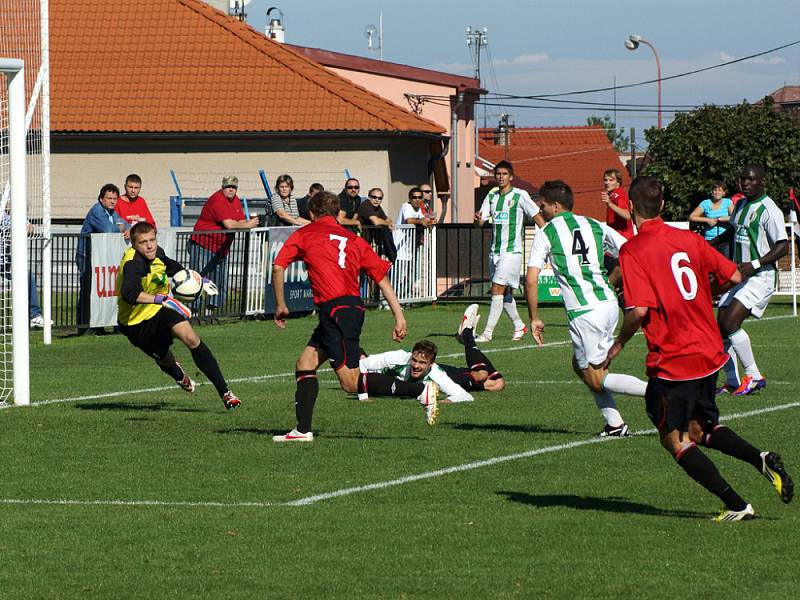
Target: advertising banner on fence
549, 290
107, 251
297, 287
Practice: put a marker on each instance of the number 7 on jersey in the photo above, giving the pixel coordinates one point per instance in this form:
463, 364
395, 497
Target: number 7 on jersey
342, 241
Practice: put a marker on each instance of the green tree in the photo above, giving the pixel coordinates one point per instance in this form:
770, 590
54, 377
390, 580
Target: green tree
715, 142
616, 136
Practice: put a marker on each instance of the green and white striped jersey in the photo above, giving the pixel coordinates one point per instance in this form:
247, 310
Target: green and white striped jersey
398, 363
506, 213
574, 246
758, 225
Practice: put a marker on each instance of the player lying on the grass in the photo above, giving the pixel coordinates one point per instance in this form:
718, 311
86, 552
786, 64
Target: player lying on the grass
150, 317
334, 258
411, 370
668, 294
575, 247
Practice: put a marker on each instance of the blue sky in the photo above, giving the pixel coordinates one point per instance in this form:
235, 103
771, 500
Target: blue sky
559, 46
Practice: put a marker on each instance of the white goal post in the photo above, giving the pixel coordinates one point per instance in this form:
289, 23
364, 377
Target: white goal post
14, 75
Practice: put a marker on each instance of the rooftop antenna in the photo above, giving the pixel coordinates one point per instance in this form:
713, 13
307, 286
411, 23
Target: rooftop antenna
374, 36
275, 30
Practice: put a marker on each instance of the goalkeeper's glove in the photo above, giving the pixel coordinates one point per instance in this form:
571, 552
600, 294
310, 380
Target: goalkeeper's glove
209, 287
172, 304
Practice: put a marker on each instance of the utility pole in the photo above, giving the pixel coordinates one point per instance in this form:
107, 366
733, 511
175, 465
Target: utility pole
477, 39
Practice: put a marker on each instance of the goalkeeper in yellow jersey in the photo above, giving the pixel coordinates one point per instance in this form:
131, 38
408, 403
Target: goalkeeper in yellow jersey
150, 317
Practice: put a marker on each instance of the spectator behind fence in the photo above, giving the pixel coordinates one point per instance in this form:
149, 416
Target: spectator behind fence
349, 200
208, 252
34, 310
428, 208
715, 213
615, 197
284, 205
101, 218
378, 227
302, 203
131, 206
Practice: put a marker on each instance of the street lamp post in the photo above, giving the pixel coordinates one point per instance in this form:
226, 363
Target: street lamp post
632, 43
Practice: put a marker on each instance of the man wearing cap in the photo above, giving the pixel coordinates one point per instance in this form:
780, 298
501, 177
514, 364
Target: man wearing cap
208, 252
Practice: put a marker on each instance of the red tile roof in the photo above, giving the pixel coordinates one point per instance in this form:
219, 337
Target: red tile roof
182, 66
788, 94
383, 67
576, 155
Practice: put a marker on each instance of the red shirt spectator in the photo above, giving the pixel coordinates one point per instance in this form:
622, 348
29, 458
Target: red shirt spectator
666, 270
218, 208
334, 256
134, 211
625, 226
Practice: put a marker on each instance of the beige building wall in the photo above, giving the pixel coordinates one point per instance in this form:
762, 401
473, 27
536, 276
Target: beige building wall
394, 89
394, 167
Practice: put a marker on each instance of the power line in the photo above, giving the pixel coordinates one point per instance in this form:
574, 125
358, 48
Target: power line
649, 81
546, 97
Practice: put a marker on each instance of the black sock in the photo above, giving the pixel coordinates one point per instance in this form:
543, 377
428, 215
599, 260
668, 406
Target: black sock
380, 384
728, 442
700, 468
305, 396
475, 358
172, 370
206, 362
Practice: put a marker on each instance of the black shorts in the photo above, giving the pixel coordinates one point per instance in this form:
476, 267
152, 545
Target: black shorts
462, 376
153, 336
339, 330
672, 404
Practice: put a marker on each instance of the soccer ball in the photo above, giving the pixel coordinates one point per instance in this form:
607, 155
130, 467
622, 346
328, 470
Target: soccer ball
187, 285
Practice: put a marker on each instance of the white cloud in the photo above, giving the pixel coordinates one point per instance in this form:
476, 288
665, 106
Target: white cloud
523, 59
760, 60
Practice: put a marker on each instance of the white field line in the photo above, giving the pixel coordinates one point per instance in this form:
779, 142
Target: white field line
253, 378
256, 378
501, 459
372, 486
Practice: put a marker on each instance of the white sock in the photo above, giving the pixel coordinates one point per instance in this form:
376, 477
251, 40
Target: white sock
495, 310
731, 367
625, 384
511, 311
741, 344
608, 408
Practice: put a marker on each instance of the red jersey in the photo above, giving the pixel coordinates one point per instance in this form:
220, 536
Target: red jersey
216, 210
334, 256
619, 197
134, 211
666, 270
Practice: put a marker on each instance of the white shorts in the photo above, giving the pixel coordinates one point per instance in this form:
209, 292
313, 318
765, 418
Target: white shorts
753, 293
505, 269
592, 334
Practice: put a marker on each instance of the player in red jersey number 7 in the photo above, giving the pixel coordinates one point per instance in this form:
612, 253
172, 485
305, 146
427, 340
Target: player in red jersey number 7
334, 257
667, 293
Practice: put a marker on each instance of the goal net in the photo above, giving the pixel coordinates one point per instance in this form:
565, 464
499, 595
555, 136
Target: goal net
25, 129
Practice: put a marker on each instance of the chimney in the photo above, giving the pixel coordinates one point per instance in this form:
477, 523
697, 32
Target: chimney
503, 133
234, 8
275, 30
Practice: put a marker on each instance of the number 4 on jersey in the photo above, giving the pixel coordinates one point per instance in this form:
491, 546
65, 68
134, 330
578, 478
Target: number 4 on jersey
579, 247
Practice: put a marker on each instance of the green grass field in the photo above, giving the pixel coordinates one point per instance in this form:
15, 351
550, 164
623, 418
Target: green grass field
118, 485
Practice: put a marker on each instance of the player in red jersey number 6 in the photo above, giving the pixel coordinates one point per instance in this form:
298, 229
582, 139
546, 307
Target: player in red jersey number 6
334, 257
667, 293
